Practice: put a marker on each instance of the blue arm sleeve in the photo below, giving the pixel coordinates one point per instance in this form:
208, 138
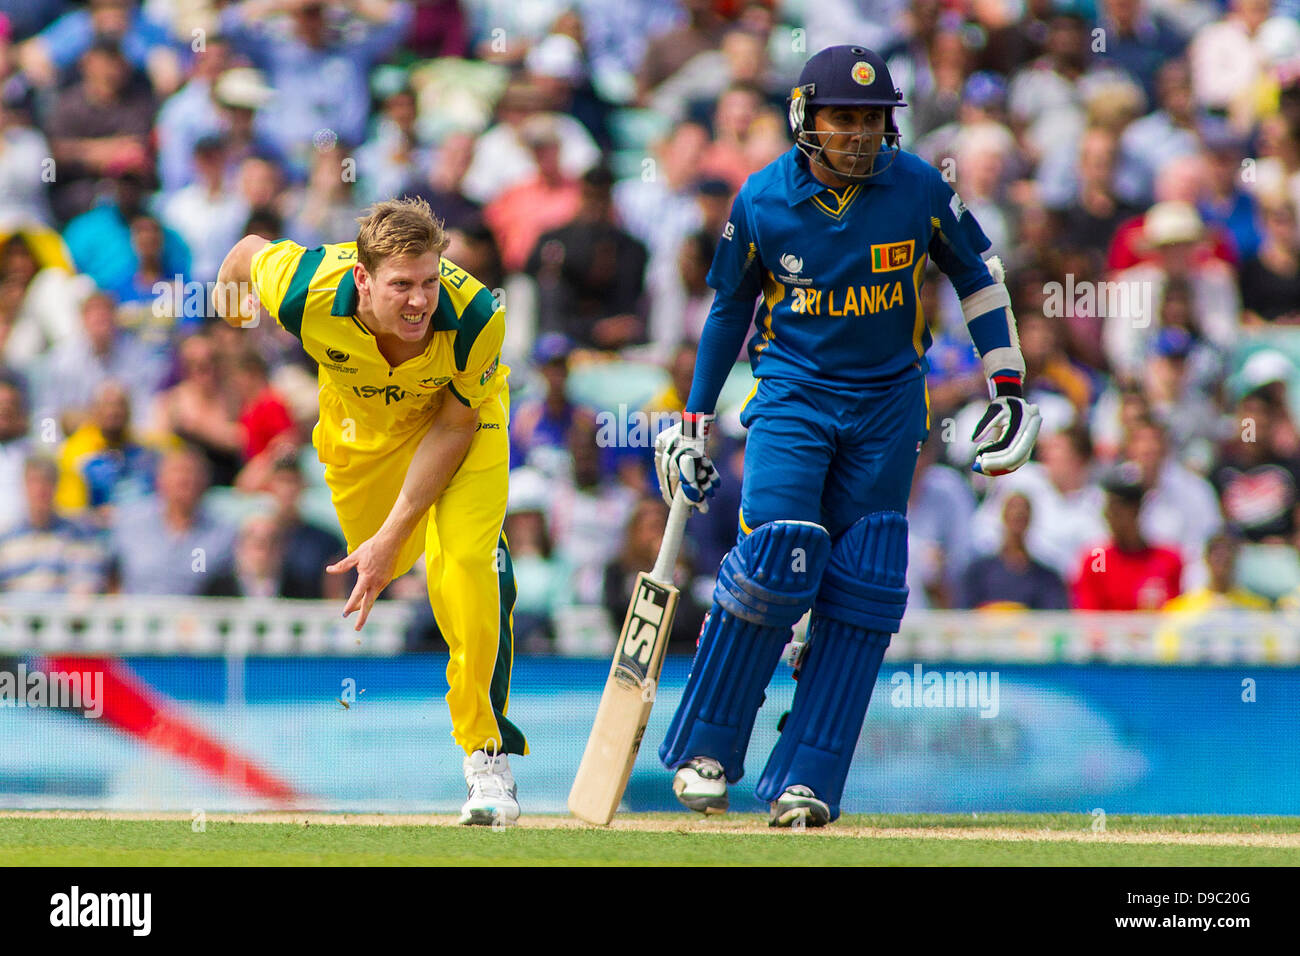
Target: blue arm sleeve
734, 276
723, 334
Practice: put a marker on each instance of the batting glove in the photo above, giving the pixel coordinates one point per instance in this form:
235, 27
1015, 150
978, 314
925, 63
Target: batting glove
680, 460
1007, 432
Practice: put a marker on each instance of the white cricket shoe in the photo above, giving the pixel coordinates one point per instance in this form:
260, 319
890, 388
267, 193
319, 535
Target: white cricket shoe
701, 785
798, 807
492, 791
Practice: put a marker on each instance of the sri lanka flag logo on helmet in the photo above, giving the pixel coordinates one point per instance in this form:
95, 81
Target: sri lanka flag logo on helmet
864, 73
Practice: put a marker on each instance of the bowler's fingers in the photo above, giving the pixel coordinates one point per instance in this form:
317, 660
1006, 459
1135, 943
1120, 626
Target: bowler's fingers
362, 599
356, 597
368, 603
339, 567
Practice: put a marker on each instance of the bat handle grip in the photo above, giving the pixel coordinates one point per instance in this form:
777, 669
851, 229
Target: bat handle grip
672, 543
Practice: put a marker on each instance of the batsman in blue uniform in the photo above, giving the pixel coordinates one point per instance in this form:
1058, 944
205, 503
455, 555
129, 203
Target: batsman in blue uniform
831, 240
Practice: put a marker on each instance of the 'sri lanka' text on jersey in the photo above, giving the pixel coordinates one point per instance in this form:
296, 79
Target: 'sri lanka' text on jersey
840, 271
312, 293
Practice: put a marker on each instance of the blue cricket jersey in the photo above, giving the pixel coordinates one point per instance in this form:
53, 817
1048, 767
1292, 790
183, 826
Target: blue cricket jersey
839, 275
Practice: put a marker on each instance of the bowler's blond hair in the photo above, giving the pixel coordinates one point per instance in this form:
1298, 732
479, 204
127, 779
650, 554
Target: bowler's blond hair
399, 227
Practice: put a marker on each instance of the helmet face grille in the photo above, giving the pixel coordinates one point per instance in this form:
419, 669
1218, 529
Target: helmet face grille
817, 152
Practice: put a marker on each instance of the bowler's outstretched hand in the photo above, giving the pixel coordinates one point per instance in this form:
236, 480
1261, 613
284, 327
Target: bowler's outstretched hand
374, 560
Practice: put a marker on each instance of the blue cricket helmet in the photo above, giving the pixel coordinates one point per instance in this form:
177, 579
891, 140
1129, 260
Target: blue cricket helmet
844, 76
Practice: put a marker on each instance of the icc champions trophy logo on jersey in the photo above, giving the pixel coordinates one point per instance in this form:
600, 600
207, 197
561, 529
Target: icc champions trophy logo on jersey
336, 358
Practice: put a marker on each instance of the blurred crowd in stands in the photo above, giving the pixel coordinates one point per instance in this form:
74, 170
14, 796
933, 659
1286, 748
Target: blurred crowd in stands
1136, 163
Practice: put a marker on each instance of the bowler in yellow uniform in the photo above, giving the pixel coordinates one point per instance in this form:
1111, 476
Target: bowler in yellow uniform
414, 410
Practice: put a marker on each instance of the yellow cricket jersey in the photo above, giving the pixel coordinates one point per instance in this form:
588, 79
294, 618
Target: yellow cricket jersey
311, 293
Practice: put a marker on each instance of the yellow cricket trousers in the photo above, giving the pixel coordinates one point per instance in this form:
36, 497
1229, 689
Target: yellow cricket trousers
470, 578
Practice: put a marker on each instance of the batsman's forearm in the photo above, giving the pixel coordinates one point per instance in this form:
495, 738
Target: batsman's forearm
436, 460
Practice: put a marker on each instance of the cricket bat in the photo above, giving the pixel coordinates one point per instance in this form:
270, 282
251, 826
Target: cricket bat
633, 678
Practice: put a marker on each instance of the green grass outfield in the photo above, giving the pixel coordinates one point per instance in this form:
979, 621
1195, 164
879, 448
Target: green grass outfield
298, 839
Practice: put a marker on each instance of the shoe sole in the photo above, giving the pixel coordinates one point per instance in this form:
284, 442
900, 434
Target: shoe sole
800, 816
487, 818
708, 804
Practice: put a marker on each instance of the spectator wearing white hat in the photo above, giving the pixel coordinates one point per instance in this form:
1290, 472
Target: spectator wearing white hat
1180, 179
1173, 231
558, 66
503, 31
241, 95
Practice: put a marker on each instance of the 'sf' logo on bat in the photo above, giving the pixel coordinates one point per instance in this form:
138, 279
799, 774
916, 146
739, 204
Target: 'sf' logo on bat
643, 625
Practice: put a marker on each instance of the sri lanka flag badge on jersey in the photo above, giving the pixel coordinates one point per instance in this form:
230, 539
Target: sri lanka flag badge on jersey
892, 255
